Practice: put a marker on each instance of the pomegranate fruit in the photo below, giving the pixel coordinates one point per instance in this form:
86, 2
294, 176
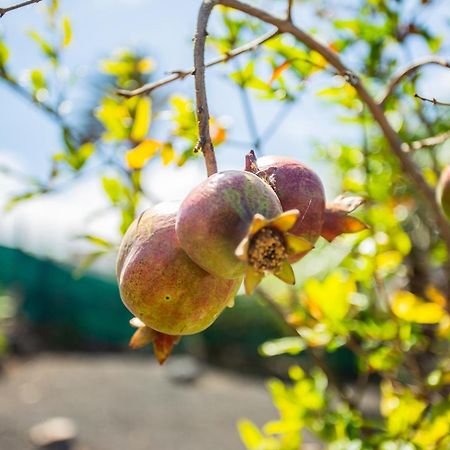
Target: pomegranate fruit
298, 187
162, 286
232, 224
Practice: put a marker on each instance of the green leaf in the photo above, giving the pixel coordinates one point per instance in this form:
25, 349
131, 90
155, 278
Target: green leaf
4, 53
290, 345
37, 80
96, 240
22, 197
115, 190
45, 47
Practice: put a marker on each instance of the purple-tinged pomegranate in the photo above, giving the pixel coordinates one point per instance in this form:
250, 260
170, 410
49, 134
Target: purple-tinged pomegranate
298, 187
163, 287
232, 224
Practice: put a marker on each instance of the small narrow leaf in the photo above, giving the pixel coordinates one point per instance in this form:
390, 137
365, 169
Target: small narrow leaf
4, 53
278, 71
167, 154
67, 32
137, 157
142, 119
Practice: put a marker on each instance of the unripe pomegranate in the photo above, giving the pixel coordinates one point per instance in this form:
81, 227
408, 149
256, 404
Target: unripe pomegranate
232, 223
298, 187
443, 191
161, 285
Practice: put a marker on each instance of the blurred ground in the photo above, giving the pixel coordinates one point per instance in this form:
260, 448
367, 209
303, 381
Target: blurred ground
124, 402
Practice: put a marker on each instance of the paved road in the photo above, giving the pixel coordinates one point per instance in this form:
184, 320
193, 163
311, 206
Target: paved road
121, 402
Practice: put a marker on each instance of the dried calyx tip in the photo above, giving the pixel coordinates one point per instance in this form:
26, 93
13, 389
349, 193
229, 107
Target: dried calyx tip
250, 162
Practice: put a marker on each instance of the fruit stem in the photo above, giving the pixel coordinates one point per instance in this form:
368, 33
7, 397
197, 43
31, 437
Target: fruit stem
250, 162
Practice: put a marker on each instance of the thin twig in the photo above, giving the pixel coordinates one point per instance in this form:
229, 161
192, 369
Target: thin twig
3, 11
427, 142
289, 10
408, 166
431, 100
205, 142
181, 74
409, 70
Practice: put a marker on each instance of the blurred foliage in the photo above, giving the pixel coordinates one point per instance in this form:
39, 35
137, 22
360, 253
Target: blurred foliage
387, 297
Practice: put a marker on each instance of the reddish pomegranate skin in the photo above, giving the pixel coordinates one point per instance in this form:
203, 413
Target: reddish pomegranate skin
216, 215
161, 285
297, 187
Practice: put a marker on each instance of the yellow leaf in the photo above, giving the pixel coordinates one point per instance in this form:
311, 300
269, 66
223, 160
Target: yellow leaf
142, 119
67, 31
332, 296
250, 435
167, 154
443, 330
402, 409
405, 305
145, 65
278, 71
138, 156
388, 261
435, 295
429, 434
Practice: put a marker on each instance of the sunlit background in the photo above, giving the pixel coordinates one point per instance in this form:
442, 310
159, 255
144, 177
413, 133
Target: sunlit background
114, 399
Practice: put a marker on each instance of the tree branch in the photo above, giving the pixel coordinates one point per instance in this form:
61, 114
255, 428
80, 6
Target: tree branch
427, 142
181, 74
431, 100
204, 140
408, 166
409, 70
3, 11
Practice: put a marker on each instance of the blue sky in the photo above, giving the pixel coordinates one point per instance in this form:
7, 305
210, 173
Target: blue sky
164, 30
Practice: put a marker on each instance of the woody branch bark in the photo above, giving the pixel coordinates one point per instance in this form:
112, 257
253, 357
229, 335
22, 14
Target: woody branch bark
205, 142
409, 70
182, 74
7, 9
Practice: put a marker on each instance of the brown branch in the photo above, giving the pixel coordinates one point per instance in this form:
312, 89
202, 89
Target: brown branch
3, 11
181, 74
408, 166
409, 70
431, 100
427, 142
204, 141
